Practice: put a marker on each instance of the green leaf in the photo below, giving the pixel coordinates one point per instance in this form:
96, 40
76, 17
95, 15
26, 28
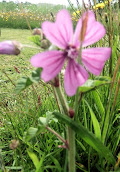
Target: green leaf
57, 164
106, 124
99, 104
33, 158
81, 145
50, 117
114, 49
95, 122
13, 168
87, 136
39, 166
43, 121
36, 39
92, 84
117, 140
30, 133
22, 83
36, 75
103, 78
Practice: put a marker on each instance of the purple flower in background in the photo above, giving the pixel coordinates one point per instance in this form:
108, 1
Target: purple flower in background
10, 47
61, 34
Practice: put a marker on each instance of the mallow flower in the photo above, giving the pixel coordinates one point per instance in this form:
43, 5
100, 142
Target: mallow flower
61, 34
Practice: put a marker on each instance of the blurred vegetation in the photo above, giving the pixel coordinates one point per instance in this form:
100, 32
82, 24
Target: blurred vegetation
14, 15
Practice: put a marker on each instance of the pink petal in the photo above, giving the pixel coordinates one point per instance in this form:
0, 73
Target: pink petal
51, 62
94, 59
59, 33
94, 32
75, 76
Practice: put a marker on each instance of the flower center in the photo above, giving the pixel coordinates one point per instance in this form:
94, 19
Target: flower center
71, 52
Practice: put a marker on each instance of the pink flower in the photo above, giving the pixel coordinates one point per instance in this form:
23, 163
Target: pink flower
61, 34
10, 47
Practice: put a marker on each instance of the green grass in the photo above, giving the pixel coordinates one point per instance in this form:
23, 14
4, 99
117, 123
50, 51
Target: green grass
14, 14
19, 111
22, 61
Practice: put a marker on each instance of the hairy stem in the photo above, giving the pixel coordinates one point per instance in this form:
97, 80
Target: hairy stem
71, 150
70, 132
56, 134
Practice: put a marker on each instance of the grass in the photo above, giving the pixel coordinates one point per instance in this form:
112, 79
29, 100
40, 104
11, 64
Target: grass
19, 110
22, 61
14, 14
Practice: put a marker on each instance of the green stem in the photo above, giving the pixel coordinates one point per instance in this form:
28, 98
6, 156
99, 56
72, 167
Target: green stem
61, 100
85, 118
70, 132
77, 102
56, 134
71, 151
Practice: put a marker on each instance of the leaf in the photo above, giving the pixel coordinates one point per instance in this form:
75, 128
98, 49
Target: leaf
50, 117
39, 166
81, 145
57, 164
103, 78
92, 84
87, 136
117, 140
33, 158
13, 168
95, 122
36, 39
36, 75
43, 121
30, 133
23, 83
114, 49
106, 124
99, 104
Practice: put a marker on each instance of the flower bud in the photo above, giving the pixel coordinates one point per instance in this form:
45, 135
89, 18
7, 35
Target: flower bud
39, 101
71, 113
45, 44
10, 47
38, 31
84, 28
56, 82
14, 144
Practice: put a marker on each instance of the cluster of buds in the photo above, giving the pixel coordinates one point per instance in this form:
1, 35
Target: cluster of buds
38, 31
44, 42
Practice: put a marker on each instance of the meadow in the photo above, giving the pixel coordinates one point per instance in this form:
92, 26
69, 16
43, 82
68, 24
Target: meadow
14, 15
32, 119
